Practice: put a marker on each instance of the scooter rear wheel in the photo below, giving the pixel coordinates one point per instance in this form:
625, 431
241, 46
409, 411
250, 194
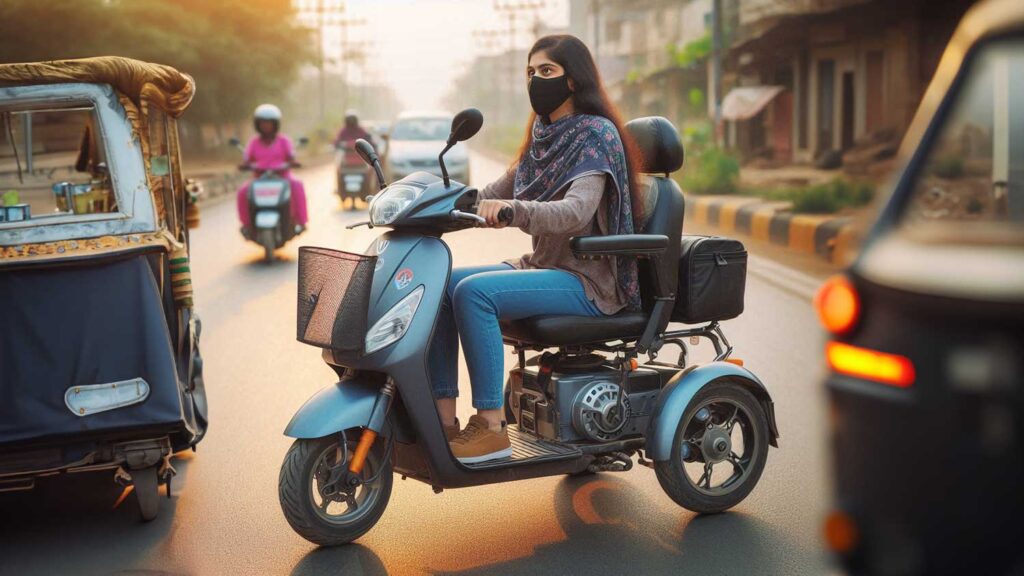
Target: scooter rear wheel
724, 426
339, 518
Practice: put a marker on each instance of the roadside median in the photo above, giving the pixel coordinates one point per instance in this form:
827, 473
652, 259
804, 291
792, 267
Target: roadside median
830, 237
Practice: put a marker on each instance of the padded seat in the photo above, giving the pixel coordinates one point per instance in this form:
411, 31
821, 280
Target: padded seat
661, 153
573, 330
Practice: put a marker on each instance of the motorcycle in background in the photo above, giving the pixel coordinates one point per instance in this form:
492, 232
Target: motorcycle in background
270, 206
353, 175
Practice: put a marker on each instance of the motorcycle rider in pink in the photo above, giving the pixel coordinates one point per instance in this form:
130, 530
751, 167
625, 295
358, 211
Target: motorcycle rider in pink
269, 150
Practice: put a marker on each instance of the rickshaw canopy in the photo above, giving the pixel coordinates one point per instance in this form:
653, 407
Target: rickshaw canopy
144, 83
144, 99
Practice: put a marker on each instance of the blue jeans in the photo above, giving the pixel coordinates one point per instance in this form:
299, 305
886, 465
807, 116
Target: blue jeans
476, 299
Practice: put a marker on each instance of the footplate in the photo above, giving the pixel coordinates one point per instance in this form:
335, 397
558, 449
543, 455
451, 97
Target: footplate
528, 449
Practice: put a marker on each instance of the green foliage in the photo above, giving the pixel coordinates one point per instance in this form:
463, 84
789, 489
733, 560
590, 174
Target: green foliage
711, 171
692, 52
695, 97
634, 76
241, 52
948, 166
697, 137
827, 198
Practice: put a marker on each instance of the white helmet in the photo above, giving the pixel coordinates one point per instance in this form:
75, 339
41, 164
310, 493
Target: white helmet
267, 112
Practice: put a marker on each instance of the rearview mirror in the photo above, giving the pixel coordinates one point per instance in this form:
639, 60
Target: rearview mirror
369, 155
233, 141
303, 141
366, 151
465, 125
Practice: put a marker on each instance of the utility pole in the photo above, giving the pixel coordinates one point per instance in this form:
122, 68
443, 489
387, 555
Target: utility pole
324, 14
716, 64
511, 9
491, 41
350, 51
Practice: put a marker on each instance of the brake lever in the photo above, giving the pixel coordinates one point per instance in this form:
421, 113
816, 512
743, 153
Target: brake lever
460, 215
366, 223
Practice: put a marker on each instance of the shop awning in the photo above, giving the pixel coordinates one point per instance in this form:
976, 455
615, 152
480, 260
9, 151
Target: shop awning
746, 102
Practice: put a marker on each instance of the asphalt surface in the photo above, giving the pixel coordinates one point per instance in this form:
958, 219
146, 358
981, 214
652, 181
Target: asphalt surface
224, 518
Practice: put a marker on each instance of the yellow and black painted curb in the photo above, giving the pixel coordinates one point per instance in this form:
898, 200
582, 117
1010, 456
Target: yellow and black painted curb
830, 237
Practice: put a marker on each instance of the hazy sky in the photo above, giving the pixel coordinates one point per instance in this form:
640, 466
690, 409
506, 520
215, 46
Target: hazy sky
419, 46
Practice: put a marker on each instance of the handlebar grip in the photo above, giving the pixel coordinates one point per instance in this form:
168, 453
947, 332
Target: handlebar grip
505, 215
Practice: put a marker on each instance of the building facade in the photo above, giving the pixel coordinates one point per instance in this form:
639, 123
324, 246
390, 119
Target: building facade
848, 73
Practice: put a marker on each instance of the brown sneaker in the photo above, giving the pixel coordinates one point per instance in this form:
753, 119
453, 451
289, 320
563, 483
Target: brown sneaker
452, 431
478, 443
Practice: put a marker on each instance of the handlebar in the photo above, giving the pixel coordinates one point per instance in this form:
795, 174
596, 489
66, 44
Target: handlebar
460, 215
280, 169
504, 216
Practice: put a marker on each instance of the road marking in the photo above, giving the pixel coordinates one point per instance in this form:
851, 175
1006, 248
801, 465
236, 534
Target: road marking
789, 279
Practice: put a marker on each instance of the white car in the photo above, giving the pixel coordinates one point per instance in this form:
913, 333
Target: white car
415, 141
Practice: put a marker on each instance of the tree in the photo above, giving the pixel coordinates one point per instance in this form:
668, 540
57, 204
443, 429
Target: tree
241, 52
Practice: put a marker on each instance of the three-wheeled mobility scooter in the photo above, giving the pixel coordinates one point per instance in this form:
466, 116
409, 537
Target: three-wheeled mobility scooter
590, 406
99, 359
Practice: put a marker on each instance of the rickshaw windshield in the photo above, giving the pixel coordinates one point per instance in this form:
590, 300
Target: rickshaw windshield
53, 163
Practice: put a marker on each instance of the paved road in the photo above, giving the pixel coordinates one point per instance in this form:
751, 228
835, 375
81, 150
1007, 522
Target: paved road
224, 517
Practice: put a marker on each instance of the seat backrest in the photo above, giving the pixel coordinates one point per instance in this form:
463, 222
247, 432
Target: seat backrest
666, 217
661, 153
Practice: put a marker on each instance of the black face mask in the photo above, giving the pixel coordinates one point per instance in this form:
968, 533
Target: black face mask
547, 94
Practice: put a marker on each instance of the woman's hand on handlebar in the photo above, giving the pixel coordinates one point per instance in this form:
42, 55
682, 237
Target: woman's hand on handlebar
491, 211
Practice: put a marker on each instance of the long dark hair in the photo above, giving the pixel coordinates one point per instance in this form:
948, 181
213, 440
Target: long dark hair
588, 97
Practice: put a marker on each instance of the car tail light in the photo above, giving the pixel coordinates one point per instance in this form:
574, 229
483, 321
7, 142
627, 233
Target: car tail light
890, 369
838, 305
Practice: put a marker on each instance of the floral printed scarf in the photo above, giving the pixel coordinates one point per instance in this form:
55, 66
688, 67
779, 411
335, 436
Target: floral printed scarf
574, 146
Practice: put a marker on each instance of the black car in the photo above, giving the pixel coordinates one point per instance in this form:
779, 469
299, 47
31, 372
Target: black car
926, 358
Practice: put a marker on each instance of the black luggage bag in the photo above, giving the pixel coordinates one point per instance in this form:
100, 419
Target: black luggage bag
712, 278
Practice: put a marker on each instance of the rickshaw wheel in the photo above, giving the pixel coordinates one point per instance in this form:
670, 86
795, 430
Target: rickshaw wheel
333, 519
724, 426
146, 486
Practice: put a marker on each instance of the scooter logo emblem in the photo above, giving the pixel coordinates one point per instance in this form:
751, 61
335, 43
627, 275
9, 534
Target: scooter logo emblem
403, 278
382, 245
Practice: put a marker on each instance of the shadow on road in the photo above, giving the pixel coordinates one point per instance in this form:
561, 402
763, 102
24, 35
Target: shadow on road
78, 512
610, 529
351, 560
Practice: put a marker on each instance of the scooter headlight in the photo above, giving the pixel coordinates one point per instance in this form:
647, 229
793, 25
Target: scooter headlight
395, 323
389, 204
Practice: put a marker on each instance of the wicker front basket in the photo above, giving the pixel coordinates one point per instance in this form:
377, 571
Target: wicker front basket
333, 297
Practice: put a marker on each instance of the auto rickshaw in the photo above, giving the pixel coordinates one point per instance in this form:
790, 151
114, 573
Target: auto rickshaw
99, 360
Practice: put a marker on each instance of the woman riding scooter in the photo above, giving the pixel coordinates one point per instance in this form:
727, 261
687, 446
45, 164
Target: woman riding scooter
353, 175
269, 150
573, 177
351, 131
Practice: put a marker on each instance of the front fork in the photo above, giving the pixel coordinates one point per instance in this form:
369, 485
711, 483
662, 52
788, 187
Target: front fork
377, 419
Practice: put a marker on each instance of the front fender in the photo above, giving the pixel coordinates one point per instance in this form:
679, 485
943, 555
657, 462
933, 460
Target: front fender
346, 404
676, 396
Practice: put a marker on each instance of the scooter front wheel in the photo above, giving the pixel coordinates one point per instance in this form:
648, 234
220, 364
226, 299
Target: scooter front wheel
719, 450
326, 513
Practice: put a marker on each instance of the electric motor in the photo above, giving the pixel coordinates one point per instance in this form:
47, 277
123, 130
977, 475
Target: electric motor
600, 411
